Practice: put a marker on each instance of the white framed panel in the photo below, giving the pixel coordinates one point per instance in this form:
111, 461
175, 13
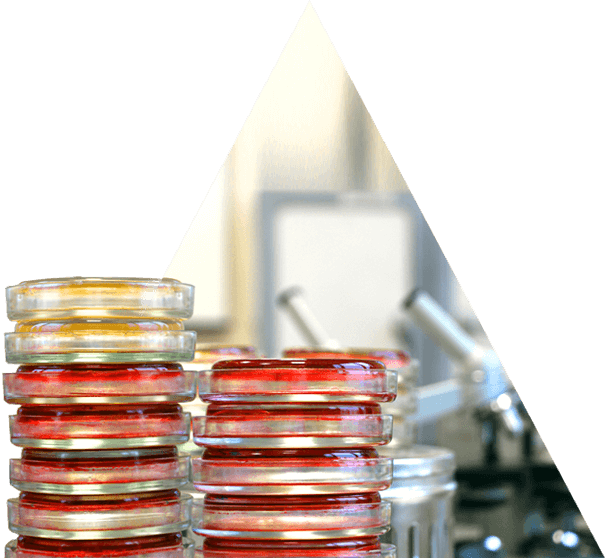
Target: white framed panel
355, 255
354, 263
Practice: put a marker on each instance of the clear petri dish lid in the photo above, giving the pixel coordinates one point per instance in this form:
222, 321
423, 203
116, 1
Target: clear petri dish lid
206, 355
162, 546
209, 354
419, 461
85, 384
291, 431
297, 550
391, 358
86, 427
86, 473
300, 472
99, 517
294, 518
298, 380
135, 346
91, 297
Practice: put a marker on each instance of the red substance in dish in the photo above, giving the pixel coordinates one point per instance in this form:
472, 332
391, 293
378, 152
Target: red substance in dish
57, 467
298, 364
34, 455
296, 370
287, 503
291, 409
264, 379
214, 547
331, 455
97, 502
92, 368
60, 422
93, 549
96, 380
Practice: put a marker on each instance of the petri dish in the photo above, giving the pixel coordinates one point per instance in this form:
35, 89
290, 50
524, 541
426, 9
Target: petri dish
172, 545
363, 547
88, 427
95, 297
99, 472
291, 517
299, 380
99, 516
99, 383
284, 472
83, 346
292, 425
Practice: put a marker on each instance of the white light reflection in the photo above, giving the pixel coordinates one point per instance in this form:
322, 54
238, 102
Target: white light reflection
566, 538
492, 543
504, 401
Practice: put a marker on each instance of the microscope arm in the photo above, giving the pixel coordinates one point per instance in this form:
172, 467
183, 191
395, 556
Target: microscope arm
293, 302
482, 381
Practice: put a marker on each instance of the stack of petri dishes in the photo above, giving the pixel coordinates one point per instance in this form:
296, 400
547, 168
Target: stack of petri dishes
290, 466
100, 388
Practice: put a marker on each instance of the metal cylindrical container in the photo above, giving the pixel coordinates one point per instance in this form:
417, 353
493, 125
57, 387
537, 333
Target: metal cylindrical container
421, 497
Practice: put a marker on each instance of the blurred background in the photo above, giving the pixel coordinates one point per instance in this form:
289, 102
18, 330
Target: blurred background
310, 197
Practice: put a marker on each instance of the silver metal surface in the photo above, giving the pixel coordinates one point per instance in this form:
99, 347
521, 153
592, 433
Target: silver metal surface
421, 501
439, 326
481, 381
293, 302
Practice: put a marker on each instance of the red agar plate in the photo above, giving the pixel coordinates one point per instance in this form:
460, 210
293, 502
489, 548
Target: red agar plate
99, 383
99, 517
291, 471
88, 427
299, 380
161, 546
99, 472
367, 547
291, 517
291, 425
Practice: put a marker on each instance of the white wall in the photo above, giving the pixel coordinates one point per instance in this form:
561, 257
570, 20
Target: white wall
308, 130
